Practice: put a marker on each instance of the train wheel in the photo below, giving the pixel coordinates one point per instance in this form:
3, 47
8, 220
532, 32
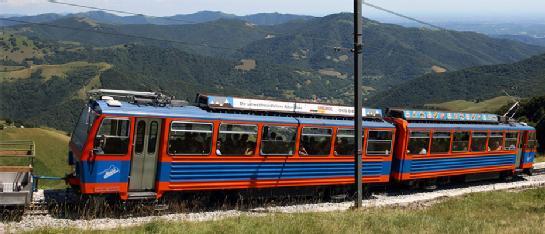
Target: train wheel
429, 184
507, 176
529, 171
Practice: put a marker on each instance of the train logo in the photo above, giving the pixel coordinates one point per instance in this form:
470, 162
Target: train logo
109, 172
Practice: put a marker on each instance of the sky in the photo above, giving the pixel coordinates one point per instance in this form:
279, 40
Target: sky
427, 9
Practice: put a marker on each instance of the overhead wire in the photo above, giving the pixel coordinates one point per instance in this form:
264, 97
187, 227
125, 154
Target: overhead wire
404, 16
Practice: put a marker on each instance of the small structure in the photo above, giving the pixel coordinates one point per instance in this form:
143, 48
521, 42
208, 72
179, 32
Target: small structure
16, 160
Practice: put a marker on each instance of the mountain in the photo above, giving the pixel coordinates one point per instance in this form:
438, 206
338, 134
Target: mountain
393, 54
41, 18
224, 33
523, 79
52, 93
194, 18
531, 40
274, 18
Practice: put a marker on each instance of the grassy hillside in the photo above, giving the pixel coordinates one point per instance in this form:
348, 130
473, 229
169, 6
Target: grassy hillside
51, 150
490, 212
524, 79
48, 95
532, 111
488, 106
49, 71
17, 48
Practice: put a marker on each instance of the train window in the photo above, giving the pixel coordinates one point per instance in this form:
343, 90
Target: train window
190, 138
80, 132
236, 139
419, 142
379, 142
344, 144
278, 140
478, 141
113, 136
511, 139
495, 141
152, 140
460, 142
440, 142
532, 142
139, 142
315, 141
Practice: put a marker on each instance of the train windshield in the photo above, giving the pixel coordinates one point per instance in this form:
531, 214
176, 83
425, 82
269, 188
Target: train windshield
84, 124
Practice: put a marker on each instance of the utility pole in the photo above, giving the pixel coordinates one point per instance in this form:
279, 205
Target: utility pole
358, 133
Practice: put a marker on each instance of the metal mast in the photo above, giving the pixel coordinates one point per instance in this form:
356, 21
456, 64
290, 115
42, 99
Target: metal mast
358, 66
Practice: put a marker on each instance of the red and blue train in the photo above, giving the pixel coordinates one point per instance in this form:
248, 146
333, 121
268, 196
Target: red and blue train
139, 145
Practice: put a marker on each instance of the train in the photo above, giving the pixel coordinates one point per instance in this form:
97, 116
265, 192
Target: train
143, 145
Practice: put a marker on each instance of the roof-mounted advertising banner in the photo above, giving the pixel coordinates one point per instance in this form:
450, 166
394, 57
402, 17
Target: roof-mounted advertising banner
287, 107
449, 116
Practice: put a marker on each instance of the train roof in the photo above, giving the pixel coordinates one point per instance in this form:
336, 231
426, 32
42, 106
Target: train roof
456, 126
130, 109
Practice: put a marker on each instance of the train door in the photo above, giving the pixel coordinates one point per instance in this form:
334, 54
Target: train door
145, 154
519, 157
529, 148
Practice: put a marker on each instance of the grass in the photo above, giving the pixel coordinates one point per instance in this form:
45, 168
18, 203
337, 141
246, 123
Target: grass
490, 105
48, 71
540, 157
490, 212
24, 48
51, 151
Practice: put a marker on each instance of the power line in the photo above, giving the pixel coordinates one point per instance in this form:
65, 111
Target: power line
404, 16
178, 20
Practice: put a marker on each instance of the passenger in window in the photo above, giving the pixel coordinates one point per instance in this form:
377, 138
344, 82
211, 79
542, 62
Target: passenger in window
243, 144
423, 151
302, 150
218, 147
250, 148
496, 146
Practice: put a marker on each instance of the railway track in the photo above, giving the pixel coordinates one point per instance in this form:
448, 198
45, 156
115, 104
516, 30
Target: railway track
539, 168
62, 201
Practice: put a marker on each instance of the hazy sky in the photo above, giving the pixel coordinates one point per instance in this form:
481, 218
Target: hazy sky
422, 8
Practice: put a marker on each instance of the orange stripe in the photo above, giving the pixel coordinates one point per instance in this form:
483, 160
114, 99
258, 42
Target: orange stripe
169, 186
454, 155
193, 159
102, 188
527, 165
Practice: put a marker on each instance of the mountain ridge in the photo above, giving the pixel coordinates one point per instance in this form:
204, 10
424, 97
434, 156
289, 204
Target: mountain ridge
192, 18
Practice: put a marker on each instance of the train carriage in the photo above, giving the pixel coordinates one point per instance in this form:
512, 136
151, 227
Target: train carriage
138, 150
435, 144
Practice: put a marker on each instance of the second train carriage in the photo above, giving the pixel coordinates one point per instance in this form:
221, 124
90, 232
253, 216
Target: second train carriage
434, 144
137, 150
